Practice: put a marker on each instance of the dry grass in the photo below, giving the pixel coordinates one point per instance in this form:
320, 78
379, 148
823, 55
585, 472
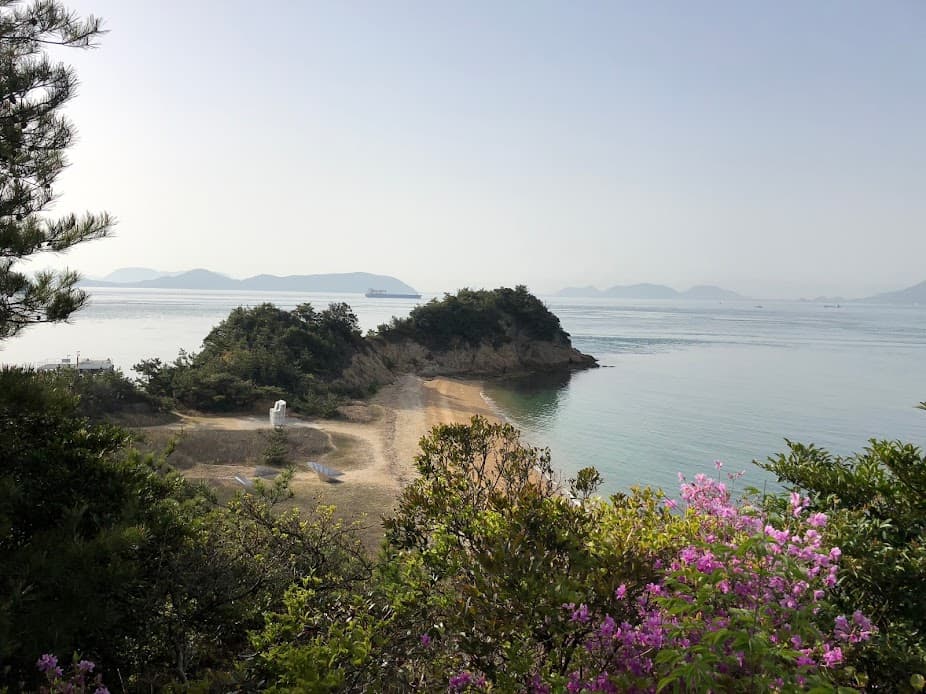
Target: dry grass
230, 447
215, 456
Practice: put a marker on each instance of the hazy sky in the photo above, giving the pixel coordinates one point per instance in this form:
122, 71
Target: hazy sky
776, 148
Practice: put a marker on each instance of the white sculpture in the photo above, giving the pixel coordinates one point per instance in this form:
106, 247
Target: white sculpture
278, 414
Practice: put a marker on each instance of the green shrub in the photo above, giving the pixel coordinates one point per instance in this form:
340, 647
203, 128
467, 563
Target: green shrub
876, 501
472, 317
258, 355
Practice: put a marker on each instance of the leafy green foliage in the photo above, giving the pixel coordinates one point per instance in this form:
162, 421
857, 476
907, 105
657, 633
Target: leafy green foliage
493, 579
276, 452
106, 395
74, 527
483, 553
876, 501
260, 354
114, 555
34, 135
472, 317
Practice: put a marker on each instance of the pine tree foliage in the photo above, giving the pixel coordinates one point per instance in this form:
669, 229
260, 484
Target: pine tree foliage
34, 136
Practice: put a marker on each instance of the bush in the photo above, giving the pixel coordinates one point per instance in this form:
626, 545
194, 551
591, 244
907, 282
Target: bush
494, 579
112, 554
876, 501
472, 317
105, 395
258, 355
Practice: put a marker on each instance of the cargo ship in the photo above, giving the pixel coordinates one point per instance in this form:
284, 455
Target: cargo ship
385, 294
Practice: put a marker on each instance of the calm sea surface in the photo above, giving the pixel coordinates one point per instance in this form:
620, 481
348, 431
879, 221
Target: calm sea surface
685, 383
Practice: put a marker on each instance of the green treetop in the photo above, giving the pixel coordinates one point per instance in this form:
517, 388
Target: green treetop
33, 138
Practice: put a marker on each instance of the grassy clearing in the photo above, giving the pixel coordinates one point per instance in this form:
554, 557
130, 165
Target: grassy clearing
215, 456
231, 447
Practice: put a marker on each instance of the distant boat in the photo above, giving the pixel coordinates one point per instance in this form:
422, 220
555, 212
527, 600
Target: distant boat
831, 306
386, 294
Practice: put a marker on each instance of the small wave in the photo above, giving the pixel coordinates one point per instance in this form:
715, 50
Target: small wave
496, 410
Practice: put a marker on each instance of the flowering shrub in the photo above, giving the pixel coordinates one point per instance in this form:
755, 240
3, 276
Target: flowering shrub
736, 608
875, 502
79, 680
494, 580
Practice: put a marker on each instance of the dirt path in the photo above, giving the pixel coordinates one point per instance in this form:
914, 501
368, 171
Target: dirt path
406, 411
374, 446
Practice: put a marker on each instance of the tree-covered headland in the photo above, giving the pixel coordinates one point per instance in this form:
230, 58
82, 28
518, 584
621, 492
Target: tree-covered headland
474, 317
309, 357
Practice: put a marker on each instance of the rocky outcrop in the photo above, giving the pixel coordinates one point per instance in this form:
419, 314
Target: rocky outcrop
384, 360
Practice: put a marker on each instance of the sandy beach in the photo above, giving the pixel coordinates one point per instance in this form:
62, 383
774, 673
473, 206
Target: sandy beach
386, 432
373, 445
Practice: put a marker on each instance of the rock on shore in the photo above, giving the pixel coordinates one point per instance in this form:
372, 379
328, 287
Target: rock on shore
384, 360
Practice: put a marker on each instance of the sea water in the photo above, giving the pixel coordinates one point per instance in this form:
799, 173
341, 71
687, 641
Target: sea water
682, 384
686, 384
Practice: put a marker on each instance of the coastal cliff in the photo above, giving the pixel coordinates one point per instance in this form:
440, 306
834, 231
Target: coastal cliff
384, 360
502, 332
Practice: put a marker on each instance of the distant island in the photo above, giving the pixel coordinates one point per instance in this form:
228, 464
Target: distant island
347, 282
911, 295
654, 291
915, 295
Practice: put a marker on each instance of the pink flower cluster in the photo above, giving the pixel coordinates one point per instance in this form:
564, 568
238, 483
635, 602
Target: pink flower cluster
741, 573
78, 681
465, 680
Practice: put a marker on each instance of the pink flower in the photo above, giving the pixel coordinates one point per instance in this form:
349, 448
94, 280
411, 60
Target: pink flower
46, 662
831, 656
818, 520
688, 555
862, 622
621, 591
460, 681
49, 665
581, 614
798, 504
608, 627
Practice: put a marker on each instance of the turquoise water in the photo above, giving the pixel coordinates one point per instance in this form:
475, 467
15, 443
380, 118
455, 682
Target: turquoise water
687, 384
684, 383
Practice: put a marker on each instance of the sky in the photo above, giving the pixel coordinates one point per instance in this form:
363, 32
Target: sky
773, 148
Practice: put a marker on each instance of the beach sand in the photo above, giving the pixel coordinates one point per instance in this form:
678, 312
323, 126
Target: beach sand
374, 446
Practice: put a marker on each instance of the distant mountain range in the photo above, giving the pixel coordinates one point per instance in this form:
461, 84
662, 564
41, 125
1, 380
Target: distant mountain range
911, 295
348, 282
654, 291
